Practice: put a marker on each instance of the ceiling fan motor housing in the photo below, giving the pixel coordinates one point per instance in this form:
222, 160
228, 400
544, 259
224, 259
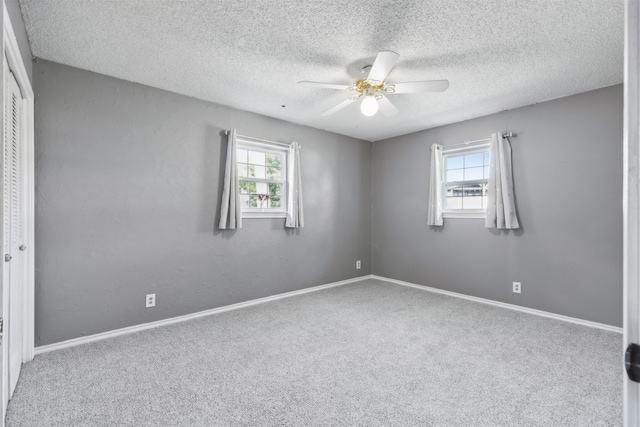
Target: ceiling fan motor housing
363, 85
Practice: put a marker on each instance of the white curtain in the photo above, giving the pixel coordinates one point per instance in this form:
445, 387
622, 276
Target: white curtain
434, 216
295, 216
501, 205
230, 209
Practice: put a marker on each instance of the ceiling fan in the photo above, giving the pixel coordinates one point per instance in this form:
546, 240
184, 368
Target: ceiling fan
373, 89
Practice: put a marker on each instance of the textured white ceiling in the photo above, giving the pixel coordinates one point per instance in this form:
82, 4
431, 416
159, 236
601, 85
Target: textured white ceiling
497, 54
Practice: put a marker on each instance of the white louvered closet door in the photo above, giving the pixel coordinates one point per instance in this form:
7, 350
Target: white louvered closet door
13, 207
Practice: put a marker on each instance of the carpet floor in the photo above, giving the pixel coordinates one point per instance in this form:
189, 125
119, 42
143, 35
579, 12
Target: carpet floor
365, 354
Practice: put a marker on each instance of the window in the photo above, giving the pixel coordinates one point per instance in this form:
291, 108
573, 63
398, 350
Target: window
466, 178
262, 177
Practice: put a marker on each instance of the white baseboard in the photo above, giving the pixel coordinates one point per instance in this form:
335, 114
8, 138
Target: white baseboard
504, 305
164, 322
156, 324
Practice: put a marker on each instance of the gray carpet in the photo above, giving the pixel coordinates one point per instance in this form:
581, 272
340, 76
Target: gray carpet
364, 354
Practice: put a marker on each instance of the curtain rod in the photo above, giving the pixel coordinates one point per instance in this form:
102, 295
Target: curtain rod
467, 142
226, 132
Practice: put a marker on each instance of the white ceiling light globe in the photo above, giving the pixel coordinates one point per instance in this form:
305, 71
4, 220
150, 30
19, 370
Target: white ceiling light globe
369, 106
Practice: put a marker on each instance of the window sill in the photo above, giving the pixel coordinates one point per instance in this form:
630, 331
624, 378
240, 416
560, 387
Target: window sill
463, 214
263, 214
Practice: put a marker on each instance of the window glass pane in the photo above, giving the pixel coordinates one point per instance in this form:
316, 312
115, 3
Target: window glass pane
487, 158
247, 187
244, 201
472, 174
253, 201
242, 170
472, 202
473, 160
256, 158
454, 191
486, 172
274, 160
455, 175
454, 203
258, 171
275, 202
244, 187
273, 173
473, 190
261, 188
241, 155
455, 162
275, 189
273, 164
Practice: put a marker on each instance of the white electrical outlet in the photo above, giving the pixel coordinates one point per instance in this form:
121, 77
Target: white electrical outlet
358, 265
517, 287
150, 300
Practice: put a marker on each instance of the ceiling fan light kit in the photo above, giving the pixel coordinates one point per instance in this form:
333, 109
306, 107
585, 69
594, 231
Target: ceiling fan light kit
373, 89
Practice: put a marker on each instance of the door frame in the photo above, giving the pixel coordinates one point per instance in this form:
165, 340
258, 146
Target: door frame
631, 201
14, 60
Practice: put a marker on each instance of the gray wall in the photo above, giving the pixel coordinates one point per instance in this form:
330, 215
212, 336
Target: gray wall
127, 198
567, 162
13, 8
129, 181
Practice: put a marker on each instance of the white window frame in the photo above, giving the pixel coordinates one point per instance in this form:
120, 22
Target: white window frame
243, 143
455, 152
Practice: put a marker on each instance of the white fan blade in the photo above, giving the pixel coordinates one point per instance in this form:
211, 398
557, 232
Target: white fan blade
383, 64
325, 85
387, 108
426, 86
338, 107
